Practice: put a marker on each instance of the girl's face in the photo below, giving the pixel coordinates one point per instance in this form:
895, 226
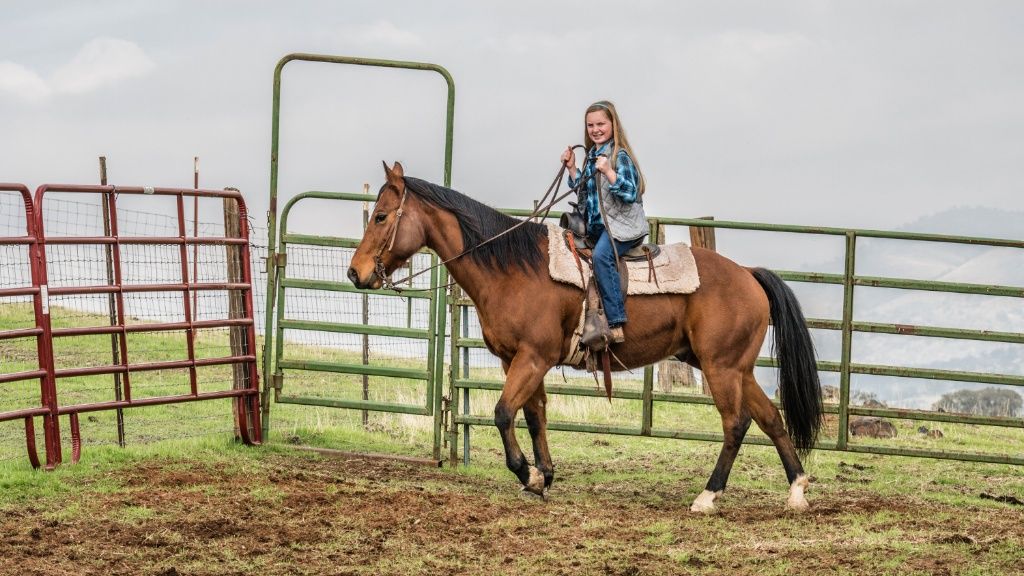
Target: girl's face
599, 127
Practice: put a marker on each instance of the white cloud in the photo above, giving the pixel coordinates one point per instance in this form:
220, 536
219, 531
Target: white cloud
384, 32
22, 82
101, 61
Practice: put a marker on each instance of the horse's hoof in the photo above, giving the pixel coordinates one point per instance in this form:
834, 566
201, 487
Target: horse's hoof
705, 503
796, 501
530, 495
536, 482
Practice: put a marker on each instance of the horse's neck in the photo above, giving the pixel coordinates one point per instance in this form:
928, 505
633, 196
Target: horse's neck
445, 239
471, 277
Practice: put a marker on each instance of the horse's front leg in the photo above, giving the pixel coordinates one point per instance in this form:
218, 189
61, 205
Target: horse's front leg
524, 377
536, 413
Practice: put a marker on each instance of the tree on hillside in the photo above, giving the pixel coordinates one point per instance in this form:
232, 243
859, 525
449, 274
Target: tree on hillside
989, 401
866, 399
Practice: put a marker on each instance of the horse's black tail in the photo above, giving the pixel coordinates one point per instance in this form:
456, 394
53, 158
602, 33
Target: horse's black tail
799, 387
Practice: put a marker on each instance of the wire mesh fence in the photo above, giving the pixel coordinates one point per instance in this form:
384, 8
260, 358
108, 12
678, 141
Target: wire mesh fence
84, 264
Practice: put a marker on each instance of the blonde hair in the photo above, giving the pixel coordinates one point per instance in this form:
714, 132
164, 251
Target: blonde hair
619, 140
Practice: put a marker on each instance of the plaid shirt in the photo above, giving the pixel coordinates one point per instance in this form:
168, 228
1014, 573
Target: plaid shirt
625, 187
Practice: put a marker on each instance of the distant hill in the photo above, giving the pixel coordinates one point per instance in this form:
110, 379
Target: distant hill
972, 221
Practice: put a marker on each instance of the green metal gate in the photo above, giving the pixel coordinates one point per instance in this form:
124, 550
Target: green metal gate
297, 374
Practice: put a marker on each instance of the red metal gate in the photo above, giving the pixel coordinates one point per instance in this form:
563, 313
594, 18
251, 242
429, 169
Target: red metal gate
57, 395
21, 253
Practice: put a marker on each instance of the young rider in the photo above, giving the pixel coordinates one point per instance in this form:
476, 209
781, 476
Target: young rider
614, 180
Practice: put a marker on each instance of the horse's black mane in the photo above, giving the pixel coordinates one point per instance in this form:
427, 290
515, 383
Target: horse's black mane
479, 222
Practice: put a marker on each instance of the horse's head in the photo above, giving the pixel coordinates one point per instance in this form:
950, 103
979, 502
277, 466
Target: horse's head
393, 234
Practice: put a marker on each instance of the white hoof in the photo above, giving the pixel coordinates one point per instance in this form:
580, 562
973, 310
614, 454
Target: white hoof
705, 503
536, 483
796, 499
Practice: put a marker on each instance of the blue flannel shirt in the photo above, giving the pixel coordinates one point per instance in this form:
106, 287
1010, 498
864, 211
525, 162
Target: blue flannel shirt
625, 187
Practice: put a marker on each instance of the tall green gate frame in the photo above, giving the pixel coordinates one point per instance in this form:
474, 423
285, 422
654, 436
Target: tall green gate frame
276, 361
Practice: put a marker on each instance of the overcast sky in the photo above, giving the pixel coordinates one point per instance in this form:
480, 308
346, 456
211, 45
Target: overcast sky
860, 114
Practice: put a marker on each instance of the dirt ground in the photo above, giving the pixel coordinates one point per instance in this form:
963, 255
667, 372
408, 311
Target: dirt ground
292, 514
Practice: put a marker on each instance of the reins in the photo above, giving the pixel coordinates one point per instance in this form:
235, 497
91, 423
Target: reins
541, 207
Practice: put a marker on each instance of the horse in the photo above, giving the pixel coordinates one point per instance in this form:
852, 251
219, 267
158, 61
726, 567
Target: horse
528, 320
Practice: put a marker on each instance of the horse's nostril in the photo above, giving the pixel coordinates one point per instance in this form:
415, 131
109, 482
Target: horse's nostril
353, 276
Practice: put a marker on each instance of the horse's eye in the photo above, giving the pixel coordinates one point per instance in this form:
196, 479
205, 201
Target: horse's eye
380, 218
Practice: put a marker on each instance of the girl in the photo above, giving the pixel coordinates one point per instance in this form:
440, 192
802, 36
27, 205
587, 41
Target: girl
612, 178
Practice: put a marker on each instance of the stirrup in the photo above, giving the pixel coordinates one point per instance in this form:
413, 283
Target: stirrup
616, 335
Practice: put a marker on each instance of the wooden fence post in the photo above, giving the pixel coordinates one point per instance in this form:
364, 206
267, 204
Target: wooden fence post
703, 238
236, 306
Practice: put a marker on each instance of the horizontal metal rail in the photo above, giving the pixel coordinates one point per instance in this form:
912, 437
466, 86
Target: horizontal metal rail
22, 414
14, 292
156, 401
329, 286
133, 288
150, 366
342, 368
339, 328
19, 376
20, 333
156, 327
355, 404
824, 230
155, 240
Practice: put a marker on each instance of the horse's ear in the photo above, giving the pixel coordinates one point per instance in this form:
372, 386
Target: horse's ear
393, 175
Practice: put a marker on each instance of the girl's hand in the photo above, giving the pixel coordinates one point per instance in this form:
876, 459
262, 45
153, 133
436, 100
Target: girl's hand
604, 167
569, 159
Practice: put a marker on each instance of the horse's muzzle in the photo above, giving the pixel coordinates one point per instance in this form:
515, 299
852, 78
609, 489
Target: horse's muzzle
353, 275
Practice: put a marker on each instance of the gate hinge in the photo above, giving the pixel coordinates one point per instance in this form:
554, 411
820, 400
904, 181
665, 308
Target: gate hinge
277, 381
280, 259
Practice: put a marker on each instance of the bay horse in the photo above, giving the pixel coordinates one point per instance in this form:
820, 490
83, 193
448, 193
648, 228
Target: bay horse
528, 321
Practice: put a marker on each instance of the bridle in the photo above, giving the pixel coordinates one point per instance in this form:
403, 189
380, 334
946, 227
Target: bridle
540, 212
378, 263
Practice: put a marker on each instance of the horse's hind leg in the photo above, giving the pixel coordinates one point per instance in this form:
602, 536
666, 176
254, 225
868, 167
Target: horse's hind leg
769, 420
524, 376
535, 411
727, 393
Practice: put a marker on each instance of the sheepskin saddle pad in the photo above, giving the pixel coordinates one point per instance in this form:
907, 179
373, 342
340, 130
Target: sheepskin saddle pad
675, 271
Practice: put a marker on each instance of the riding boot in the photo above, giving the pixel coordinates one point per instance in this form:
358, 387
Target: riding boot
616, 335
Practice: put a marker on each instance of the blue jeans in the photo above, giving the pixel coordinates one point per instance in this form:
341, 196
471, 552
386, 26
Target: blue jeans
607, 274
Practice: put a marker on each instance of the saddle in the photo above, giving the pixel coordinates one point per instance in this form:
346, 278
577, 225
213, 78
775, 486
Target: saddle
594, 337
576, 239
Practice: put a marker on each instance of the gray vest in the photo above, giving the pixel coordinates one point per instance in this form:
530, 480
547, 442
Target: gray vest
624, 221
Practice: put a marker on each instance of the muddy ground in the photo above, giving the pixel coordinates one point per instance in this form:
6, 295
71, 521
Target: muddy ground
297, 514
